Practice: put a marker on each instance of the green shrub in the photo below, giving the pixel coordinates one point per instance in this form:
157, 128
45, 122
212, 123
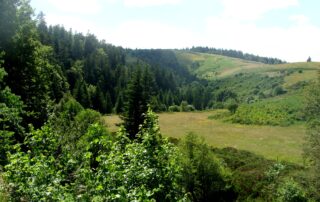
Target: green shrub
232, 107
220, 114
204, 176
174, 108
256, 178
184, 106
290, 191
278, 91
282, 112
98, 168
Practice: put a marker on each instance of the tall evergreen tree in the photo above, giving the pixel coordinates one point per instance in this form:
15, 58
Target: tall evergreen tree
119, 106
27, 63
109, 104
136, 104
148, 85
8, 22
11, 109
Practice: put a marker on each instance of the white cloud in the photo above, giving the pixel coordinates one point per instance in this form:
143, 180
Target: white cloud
148, 3
77, 6
300, 19
149, 34
77, 24
251, 10
294, 43
237, 28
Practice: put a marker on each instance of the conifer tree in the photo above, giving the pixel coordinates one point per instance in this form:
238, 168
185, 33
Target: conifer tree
119, 106
109, 104
27, 63
138, 96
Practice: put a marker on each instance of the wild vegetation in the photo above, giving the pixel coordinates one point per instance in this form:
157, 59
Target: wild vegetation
54, 145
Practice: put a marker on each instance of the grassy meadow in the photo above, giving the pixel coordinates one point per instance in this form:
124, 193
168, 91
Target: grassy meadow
211, 66
272, 122
273, 142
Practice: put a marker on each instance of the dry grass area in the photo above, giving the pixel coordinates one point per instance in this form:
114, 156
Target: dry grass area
213, 66
282, 143
307, 75
3, 193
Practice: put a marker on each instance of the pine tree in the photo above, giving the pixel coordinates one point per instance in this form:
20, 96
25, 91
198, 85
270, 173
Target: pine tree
119, 106
81, 94
109, 104
309, 59
42, 28
27, 63
11, 108
8, 21
136, 104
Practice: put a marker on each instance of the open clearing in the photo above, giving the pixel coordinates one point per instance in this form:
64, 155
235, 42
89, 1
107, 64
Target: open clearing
273, 142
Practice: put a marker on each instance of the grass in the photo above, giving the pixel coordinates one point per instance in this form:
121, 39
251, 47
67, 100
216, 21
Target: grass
280, 110
302, 76
273, 142
3, 193
211, 66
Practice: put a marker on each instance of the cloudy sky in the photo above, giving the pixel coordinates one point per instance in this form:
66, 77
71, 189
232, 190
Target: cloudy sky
287, 29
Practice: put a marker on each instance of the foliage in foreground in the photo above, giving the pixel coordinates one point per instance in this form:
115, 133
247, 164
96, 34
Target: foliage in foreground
312, 149
255, 178
102, 169
205, 177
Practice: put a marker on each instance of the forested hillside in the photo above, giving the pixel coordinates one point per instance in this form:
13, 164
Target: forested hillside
55, 85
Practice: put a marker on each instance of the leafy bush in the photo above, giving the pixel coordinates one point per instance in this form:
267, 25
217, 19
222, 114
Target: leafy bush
140, 170
254, 177
290, 191
245, 85
98, 168
283, 112
220, 114
232, 107
11, 111
204, 176
278, 91
174, 108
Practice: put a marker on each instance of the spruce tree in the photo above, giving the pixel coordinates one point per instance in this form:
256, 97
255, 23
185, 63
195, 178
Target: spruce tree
109, 104
136, 105
27, 63
119, 106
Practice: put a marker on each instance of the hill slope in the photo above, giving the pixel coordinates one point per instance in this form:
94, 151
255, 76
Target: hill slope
267, 94
211, 66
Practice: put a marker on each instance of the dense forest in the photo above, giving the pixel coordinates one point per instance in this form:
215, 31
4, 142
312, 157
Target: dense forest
55, 84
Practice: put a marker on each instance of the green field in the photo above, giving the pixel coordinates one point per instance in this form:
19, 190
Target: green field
211, 66
273, 142
279, 134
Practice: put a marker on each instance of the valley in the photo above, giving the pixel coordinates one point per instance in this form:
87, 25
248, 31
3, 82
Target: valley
272, 142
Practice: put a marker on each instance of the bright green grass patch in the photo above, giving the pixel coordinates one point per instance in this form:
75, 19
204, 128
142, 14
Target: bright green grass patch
272, 142
249, 86
299, 76
282, 111
3, 194
210, 66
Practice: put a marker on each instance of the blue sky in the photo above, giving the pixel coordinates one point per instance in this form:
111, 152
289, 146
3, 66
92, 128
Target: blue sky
287, 29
